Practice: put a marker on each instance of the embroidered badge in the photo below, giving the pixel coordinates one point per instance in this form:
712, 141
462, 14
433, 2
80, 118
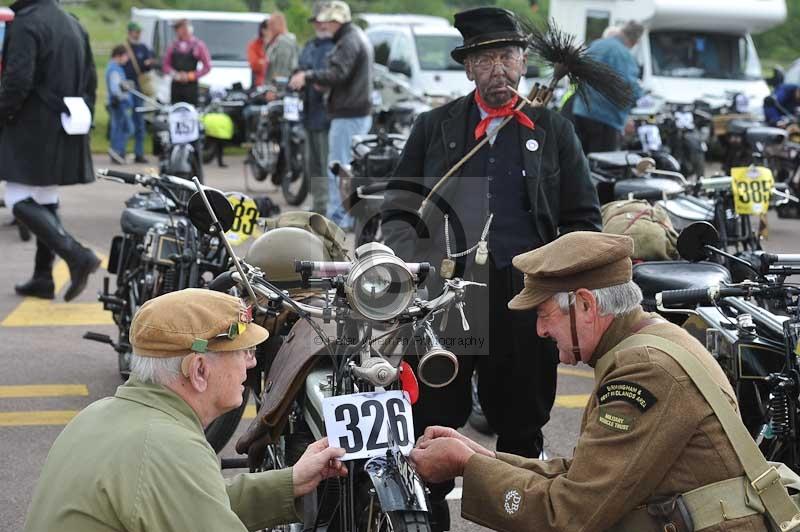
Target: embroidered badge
512, 501
614, 420
627, 391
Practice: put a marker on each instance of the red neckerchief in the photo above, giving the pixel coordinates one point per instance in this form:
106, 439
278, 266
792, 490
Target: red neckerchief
499, 112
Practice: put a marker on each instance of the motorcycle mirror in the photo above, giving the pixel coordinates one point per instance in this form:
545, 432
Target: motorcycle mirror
200, 216
693, 240
644, 166
437, 368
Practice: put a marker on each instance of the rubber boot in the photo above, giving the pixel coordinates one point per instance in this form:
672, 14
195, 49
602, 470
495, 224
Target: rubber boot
41, 284
45, 224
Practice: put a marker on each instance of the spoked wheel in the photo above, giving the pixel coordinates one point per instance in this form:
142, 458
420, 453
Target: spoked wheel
220, 431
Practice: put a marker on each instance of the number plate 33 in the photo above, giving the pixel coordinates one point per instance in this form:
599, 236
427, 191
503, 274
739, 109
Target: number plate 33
360, 423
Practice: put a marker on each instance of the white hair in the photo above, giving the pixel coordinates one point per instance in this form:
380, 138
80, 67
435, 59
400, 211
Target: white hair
154, 370
612, 31
611, 301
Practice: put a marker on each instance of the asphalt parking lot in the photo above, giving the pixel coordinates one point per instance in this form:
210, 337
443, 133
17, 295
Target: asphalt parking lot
49, 372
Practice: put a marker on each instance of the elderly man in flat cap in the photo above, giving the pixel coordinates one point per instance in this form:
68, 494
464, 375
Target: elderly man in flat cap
528, 184
647, 434
140, 461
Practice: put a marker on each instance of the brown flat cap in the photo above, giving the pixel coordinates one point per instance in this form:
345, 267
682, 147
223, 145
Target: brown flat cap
193, 321
581, 259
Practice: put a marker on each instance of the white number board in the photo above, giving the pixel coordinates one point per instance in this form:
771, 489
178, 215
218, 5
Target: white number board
684, 120
291, 108
184, 125
650, 137
359, 423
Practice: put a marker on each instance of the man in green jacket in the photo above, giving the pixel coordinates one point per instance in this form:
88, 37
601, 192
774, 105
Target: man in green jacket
139, 461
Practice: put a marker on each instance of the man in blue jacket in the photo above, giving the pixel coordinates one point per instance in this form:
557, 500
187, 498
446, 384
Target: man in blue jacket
598, 122
119, 104
781, 108
141, 60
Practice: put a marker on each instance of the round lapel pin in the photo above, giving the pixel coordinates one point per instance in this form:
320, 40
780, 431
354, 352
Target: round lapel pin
532, 145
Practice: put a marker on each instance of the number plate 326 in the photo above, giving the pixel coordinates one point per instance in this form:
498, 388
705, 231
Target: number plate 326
360, 423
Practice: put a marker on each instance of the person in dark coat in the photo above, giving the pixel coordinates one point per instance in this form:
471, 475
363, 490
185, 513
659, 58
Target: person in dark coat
521, 190
47, 58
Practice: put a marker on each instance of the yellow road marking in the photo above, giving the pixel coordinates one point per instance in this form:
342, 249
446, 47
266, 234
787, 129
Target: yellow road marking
572, 401
43, 390
572, 372
34, 312
40, 417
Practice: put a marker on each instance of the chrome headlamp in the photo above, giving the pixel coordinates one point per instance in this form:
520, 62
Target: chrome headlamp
379, 285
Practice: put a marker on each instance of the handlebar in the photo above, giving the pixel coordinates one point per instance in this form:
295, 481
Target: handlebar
164, 180
700, 296
126, 177
332, 269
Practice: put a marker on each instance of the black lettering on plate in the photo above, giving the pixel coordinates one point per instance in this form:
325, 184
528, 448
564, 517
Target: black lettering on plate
627, 391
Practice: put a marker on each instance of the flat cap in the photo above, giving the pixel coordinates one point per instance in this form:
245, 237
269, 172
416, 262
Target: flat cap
334, 11
193, 320
581, 259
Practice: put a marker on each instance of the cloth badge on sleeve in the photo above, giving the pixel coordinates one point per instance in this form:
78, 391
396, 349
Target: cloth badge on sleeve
511, 501
614, 420
627, 391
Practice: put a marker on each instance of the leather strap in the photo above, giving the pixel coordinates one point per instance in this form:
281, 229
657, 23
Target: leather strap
763, 477
133, 60
573, 326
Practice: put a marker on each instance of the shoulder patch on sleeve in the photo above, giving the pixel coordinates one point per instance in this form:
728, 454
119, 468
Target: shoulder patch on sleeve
627, 391
512, 501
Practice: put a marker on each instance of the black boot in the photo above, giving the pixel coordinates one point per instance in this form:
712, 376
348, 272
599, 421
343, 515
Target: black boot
41, 284
44, 223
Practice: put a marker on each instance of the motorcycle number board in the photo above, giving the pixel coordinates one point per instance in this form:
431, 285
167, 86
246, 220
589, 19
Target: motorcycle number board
184, 125
752, 187
291, 108
245, 218
361, 423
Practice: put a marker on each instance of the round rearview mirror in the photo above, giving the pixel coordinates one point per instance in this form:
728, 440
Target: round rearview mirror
201, 218
694, 238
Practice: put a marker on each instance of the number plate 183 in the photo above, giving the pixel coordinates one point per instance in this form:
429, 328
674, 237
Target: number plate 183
359, 423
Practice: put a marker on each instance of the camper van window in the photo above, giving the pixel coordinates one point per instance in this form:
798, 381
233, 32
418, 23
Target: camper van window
226, 39
434, 52
681, 54
402, 50
596, 23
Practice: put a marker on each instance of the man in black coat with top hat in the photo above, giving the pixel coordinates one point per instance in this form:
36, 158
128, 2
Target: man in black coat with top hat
521, 190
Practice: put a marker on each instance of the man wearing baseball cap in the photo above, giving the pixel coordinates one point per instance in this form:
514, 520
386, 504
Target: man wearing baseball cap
140, 460
648, 436
141, 62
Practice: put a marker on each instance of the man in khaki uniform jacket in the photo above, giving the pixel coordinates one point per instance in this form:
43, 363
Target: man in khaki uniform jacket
139, 461
647, 432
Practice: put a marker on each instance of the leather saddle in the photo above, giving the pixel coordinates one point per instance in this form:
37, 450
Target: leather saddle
295, 359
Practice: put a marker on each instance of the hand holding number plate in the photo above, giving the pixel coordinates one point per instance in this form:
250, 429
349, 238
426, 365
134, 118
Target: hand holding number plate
359, 423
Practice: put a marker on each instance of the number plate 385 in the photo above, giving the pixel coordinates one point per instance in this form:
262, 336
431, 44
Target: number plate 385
360, 423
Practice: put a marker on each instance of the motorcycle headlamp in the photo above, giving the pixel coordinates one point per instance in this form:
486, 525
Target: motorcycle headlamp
379, 286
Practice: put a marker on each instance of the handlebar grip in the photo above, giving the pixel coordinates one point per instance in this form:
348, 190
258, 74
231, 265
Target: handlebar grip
222, 282
701, 296
129, 178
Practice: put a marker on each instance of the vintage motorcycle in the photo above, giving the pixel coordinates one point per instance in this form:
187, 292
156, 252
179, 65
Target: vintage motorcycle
277, 141
756, 348
177, 136
338, 370
160, 251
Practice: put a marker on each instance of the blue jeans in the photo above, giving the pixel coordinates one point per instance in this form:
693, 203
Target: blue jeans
340, 136
121, 127
138, 128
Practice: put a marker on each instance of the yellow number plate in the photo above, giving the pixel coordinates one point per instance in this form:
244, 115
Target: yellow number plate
752, 187
245, 218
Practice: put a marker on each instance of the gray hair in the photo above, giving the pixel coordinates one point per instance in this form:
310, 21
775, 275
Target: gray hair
612, 31
611, 301
154, 370
632, 31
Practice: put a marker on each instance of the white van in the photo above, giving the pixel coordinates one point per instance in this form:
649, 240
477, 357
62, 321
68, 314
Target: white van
226, 34
366, 20
691, 48
422, 55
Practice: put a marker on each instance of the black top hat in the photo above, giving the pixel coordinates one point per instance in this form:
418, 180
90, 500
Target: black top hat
487, 27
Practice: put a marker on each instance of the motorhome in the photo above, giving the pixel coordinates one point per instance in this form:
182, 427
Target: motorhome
690, 48
226, 34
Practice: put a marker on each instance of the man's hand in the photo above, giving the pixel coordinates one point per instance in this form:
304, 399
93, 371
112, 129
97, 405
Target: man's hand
317, 463
434, 432
441, 459
297, 81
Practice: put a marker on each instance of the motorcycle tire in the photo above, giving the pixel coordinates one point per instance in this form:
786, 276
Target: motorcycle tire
258, 173
295, 197
220, 431
393, 521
